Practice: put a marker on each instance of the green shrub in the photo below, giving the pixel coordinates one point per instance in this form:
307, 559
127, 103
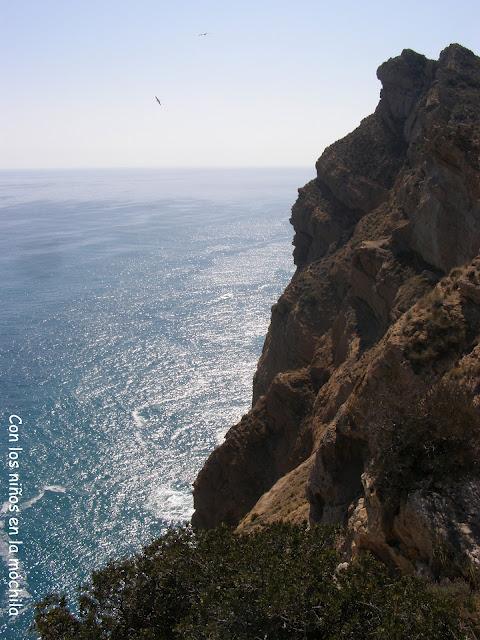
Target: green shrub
277, 584
438, 330
437, 437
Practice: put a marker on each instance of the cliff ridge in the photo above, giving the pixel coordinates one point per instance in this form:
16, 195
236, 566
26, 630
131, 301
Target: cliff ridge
368, 385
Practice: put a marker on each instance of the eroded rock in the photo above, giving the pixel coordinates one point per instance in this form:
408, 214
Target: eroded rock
383, 307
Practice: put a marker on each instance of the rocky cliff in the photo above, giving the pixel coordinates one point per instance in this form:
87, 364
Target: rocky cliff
365, 402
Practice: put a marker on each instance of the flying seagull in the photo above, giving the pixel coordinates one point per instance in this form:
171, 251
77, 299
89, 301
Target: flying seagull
158, 101
203, 34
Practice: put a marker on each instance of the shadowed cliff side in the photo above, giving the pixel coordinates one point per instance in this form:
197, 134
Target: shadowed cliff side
382, 313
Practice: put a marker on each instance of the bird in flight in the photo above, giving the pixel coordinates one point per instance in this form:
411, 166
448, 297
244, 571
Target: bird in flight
203, 34
158, 101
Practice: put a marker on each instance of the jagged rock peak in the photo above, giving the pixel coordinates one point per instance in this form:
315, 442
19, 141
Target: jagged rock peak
403, 79
458, 56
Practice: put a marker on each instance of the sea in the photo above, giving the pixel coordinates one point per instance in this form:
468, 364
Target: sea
133, 309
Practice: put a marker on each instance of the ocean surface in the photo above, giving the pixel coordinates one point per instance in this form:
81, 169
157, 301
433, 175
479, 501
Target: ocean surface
134, 306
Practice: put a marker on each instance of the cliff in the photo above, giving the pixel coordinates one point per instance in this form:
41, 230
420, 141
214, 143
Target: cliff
365, 400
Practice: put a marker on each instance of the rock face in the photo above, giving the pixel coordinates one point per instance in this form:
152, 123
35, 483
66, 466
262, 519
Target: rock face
382, 313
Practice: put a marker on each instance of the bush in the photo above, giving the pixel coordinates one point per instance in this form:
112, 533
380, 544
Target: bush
277, 584
437, 438
438, 330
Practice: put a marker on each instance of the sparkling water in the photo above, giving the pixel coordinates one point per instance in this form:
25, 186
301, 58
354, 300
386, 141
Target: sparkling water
134, 305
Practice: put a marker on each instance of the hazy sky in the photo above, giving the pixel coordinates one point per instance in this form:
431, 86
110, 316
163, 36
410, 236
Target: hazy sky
271, 85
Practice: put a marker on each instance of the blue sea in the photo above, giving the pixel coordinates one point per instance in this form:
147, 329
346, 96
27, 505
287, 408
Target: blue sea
134, 306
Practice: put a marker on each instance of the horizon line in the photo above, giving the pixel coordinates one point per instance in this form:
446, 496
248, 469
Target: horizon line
160, 168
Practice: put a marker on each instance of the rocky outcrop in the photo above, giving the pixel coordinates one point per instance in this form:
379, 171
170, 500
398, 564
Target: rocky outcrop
382, 312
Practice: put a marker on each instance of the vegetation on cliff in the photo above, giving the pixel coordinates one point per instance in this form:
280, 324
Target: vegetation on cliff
281, 583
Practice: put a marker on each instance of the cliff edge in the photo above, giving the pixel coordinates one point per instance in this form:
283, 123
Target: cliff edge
365, 400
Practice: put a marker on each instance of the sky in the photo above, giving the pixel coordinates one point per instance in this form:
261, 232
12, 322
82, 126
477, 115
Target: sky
272, 84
